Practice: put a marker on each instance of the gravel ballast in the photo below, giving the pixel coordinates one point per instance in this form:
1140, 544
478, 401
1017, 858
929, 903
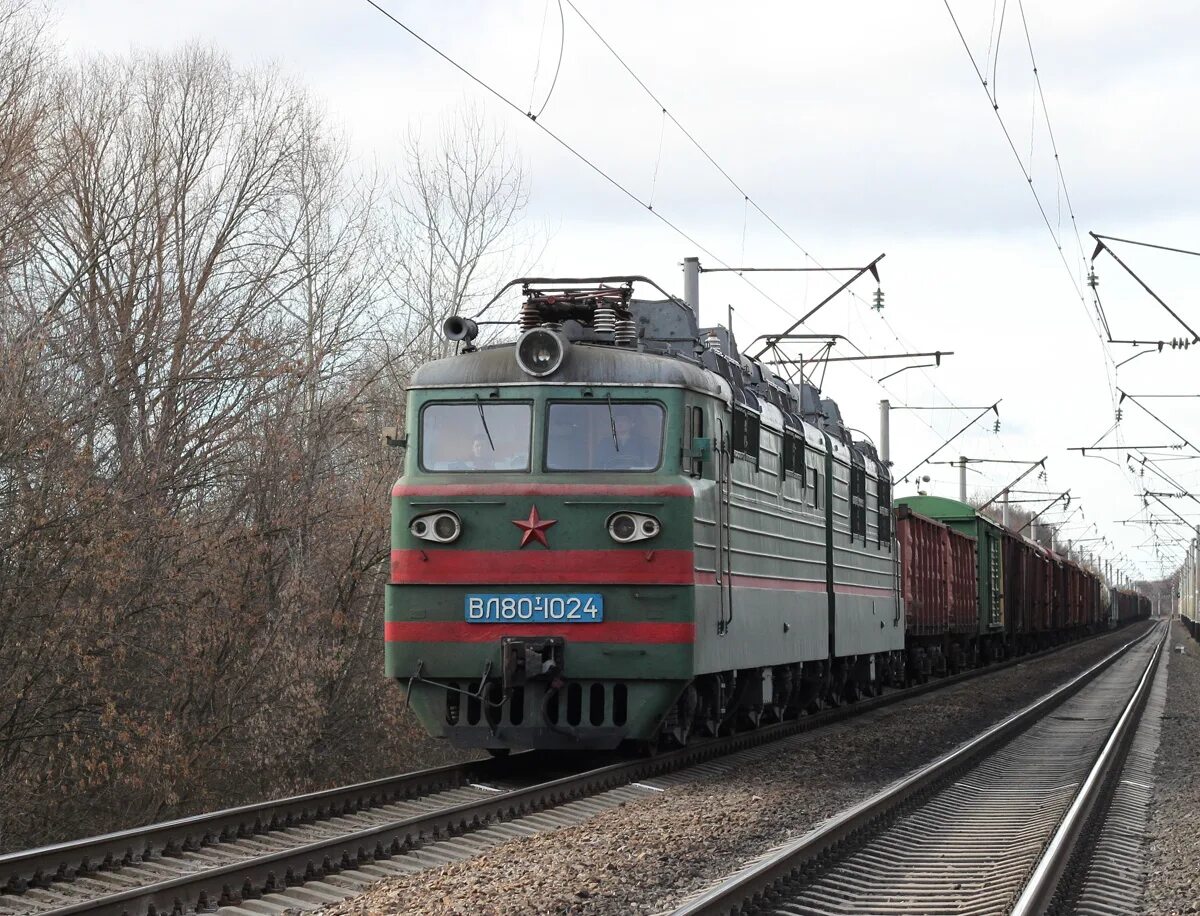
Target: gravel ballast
649, 855
1173, 886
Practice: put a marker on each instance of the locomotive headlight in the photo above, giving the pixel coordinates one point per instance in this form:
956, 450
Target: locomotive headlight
540, 351
439, 527
446, 527
626, 527
622, 527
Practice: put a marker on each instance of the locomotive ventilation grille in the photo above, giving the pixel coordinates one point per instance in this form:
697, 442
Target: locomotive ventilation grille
594, 703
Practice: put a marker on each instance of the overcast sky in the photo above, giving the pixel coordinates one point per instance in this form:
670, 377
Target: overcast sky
860, 128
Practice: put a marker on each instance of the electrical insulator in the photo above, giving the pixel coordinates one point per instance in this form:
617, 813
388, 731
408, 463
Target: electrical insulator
1093, 280
1118, 414
996, 427
878, 305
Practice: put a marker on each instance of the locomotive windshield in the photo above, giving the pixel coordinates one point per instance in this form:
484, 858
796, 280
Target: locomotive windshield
475, 436
604, 436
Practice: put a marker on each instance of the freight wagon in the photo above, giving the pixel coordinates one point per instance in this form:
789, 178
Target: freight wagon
1022, 597
984, 629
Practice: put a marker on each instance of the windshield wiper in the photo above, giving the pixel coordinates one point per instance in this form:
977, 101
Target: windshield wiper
483, 420
612, 422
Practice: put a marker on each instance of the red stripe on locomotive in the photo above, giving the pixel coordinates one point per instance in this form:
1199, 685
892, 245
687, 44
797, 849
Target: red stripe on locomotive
542, 489
542, 567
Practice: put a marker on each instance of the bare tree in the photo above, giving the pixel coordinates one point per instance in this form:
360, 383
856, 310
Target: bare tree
193, 524
457, 216
25, 99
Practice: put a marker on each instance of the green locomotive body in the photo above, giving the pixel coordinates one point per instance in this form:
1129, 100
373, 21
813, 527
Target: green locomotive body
618, 530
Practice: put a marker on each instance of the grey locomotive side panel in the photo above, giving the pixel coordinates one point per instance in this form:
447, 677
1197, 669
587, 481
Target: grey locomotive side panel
773, 629
867, 614
777, 607
777, 603
777, 610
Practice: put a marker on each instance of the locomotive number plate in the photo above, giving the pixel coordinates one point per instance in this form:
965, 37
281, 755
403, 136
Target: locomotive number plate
534, 608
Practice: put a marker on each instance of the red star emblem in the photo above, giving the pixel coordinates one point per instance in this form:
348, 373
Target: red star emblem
534, 528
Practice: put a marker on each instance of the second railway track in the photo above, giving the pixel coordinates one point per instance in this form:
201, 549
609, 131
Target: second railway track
350, 836
990, 828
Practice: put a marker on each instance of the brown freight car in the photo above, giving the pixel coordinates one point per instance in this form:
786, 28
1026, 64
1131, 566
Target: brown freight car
937, 582
1028, 594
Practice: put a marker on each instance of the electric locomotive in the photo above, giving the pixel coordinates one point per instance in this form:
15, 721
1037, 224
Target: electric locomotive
619, 529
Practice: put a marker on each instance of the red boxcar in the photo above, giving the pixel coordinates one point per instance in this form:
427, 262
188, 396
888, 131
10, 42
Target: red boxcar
937, 574
1028, 593
1077, 596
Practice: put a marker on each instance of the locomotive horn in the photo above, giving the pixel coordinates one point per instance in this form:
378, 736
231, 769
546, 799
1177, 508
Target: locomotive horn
458, 328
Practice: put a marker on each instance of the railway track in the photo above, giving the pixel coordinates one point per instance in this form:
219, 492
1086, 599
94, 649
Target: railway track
992, 827
324, 846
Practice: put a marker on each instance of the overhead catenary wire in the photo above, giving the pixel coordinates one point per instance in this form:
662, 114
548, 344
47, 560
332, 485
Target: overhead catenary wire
994, 34
1062, 179
581, 156
505, 100
749, 201
1033, 189
584, 159
495, 93
1110, 366
1016, 154
562, 46
537, 58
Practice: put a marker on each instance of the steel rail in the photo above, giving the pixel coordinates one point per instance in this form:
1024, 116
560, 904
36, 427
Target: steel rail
37, 867
761, 880
1039, 892
253, 876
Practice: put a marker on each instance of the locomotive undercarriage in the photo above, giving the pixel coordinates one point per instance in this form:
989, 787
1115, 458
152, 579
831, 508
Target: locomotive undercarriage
535, 705
749, 698
551, 711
